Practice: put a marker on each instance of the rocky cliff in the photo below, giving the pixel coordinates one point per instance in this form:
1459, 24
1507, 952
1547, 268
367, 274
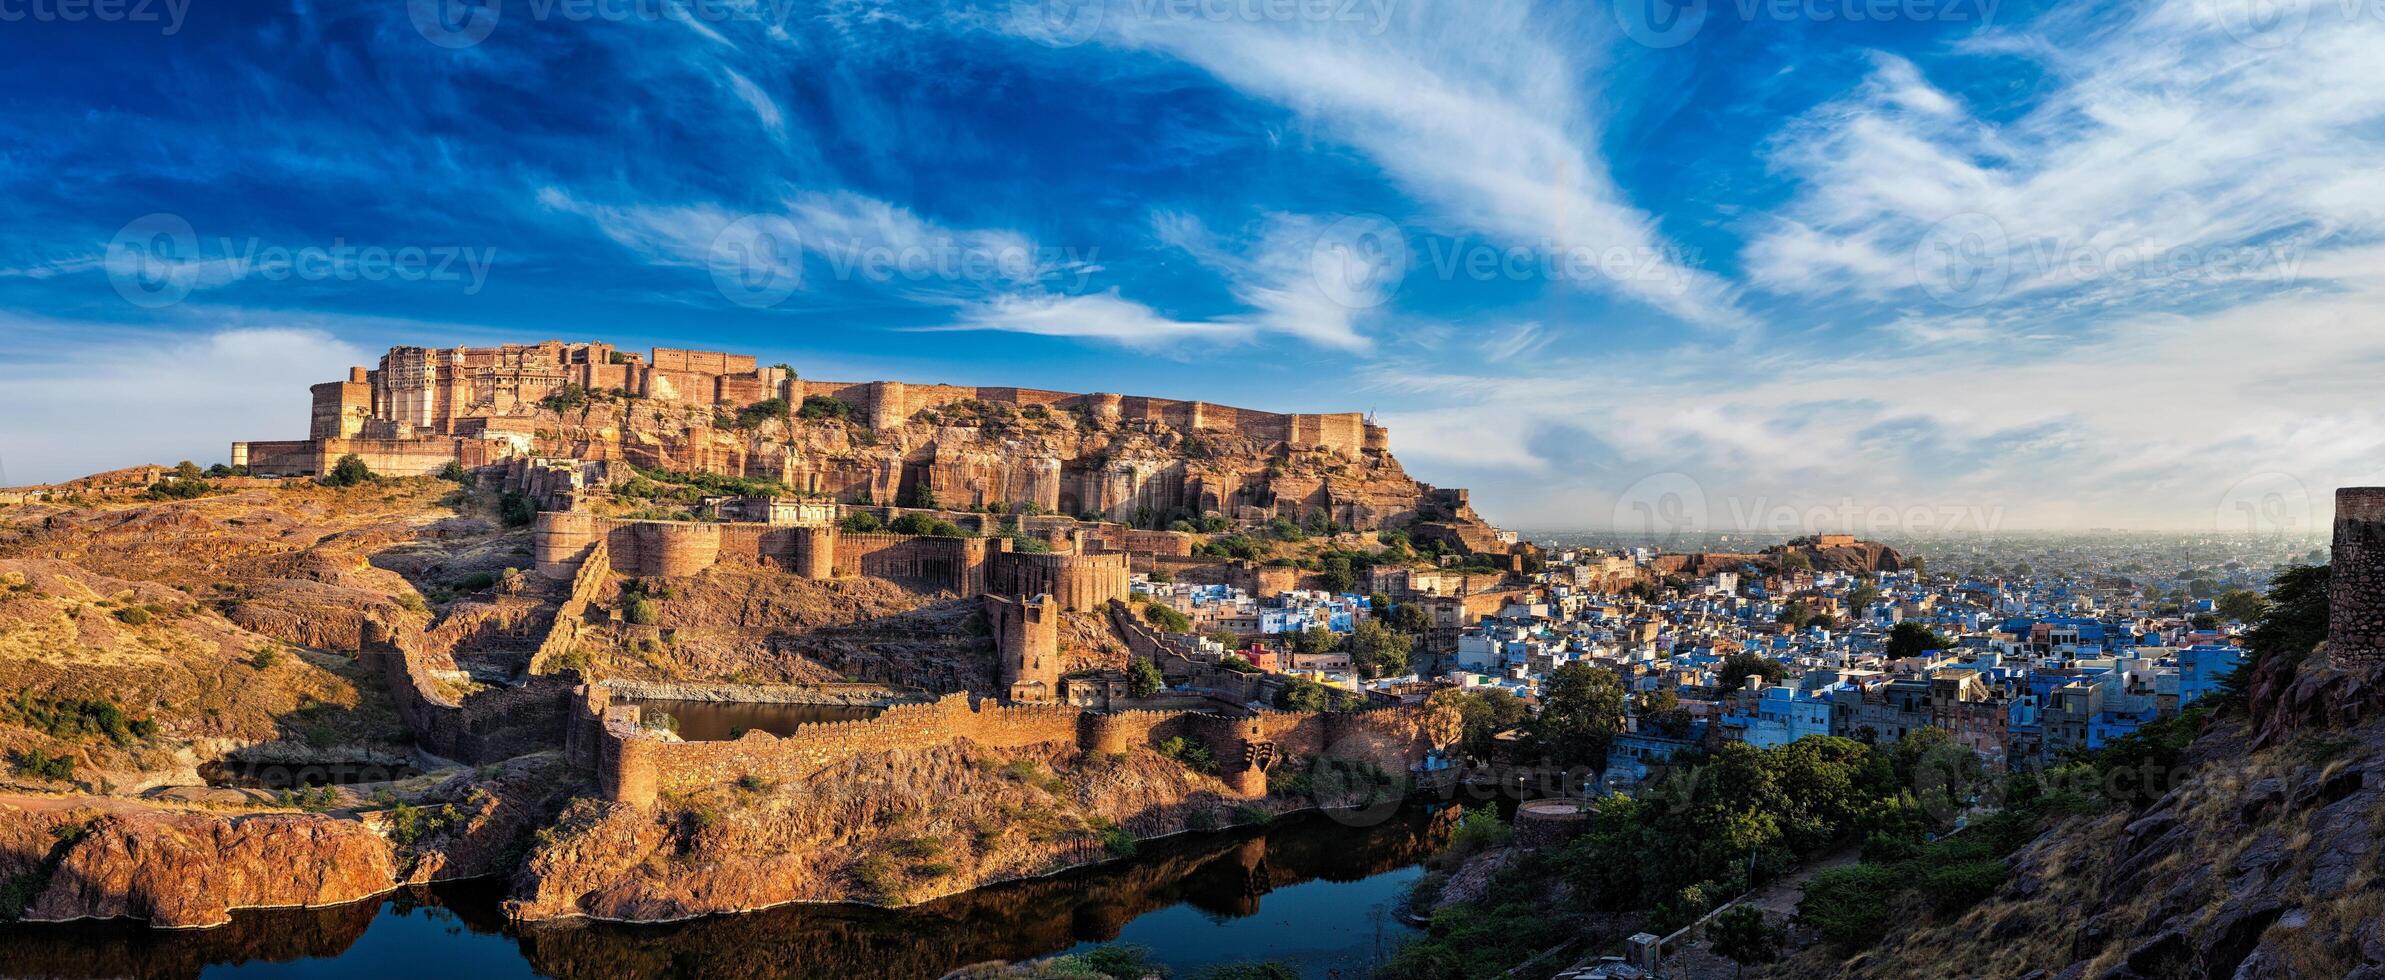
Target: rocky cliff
2253, 851
888, 828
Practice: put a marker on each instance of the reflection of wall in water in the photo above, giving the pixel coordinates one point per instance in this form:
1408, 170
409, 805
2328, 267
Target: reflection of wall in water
1221, 874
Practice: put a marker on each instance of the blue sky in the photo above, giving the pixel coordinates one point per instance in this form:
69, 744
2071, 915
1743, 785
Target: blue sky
1886, 266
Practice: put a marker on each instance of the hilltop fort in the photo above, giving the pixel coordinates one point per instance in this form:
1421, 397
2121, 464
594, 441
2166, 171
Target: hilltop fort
1143, 461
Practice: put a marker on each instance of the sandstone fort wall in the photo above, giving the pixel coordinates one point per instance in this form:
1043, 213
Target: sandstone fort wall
1079, 583
2356, 600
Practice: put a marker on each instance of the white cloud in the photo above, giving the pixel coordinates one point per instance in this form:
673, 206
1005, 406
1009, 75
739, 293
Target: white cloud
137, 397
1478, 109
2174, 160
1094, 316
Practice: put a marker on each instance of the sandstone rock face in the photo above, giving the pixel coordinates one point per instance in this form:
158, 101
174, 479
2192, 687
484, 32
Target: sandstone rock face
180, 870
891, 828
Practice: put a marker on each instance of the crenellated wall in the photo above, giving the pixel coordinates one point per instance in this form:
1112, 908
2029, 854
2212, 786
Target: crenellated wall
1079, 583
636, 767
672, 549
485, 726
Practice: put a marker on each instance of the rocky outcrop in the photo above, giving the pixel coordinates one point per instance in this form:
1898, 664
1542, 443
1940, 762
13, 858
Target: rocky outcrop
887, 828
184, 869
2258, 863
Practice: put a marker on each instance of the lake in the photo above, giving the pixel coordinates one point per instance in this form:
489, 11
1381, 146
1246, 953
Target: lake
1306, 890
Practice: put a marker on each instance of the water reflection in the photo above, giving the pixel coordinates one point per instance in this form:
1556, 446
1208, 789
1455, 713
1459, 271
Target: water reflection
1224, 878
720, 721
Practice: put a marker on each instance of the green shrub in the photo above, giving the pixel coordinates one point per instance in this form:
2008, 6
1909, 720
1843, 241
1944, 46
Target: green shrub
348, 472
133, 616
1166, 618
932, 869
641, 611
515, 509
862, 522
916, 847
36, 764
752, 416
263, 658
1850, 906
824, 407
923, 525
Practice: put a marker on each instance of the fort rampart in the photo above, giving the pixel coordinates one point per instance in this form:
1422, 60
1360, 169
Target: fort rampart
636, 766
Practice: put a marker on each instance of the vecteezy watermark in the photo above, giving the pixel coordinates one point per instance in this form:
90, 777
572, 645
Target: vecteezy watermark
1669, 509
1672, 23
156, 260
166, 13
1453, 260
2268, 503
1360, 261
1065, 23
1968, 260
759, 260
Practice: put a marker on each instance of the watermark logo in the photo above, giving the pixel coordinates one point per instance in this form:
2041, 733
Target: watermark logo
2267, 25
1660, 23
757, 262
168, 13
153, 260
2268, 503
453, 24
1059, 23
1664, 508
156, 260
1359, 261
1964, 261
1672, 23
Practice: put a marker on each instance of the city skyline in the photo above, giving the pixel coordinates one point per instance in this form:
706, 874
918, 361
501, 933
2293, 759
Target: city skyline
1993, 266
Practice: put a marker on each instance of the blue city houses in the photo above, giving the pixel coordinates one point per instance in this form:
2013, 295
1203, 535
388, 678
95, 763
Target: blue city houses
2202, 666
1783, 715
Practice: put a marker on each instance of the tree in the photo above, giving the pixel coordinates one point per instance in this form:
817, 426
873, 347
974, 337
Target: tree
861, 522
348, 472
1794, 560
1379, 651
918, 495
1912, 639
1581, 710
2241, 605
1482, 715
1861, 598
1338, 575
1316, 639
187, 470
1661, 710
2292, 625
1166, 618
1793, 615
1742, 935
1738, 667
1303, 694
1142, 678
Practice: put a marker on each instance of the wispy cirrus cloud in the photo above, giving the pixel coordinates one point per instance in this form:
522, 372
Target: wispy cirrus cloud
1482, 111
